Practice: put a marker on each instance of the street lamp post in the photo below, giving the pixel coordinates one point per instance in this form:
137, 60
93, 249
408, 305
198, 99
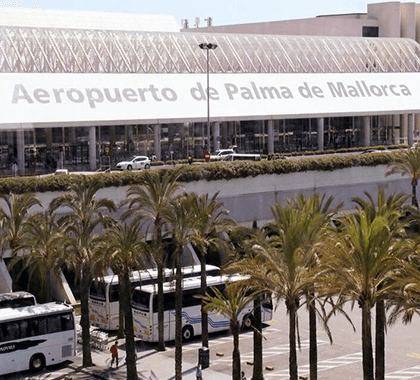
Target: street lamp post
208, 47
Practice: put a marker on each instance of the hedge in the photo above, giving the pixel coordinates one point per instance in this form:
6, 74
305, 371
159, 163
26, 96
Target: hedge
202, 171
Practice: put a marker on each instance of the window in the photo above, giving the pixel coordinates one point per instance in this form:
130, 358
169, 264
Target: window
370, 31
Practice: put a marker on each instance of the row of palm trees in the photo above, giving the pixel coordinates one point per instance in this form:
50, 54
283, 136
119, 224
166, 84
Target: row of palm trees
308, 256
80, 231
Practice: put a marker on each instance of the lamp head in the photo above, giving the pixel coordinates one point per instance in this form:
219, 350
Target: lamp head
207, 46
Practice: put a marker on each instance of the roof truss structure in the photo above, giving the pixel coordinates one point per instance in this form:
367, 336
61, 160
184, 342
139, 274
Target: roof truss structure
50, 50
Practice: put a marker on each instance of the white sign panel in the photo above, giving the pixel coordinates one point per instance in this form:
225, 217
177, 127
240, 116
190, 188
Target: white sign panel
159, 98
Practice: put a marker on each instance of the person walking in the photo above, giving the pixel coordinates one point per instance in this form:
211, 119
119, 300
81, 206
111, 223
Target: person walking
114, 354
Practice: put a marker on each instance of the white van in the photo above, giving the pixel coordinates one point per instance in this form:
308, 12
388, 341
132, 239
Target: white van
242, 157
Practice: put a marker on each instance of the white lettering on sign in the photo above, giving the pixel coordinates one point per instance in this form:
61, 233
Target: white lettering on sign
361, 89
160, 98
93, 95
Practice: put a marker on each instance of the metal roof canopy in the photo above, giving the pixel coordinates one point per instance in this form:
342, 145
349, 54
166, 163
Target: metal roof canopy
65, 50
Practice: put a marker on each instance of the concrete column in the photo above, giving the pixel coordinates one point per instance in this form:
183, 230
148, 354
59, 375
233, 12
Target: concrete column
410, 136
92, 148
397, 129
366, 131
320, 132
158, 147
216, 136
404, 128
20, 144
270, 134
417, 125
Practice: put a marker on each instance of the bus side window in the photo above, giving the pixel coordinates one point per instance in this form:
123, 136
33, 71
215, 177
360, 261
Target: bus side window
67, 322
11, 331
188, 298
24, 330
2, 326
114, 294
39, 326
53, 323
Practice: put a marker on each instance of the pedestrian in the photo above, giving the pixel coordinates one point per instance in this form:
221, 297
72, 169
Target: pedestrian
114, 354
243, 375
198, 373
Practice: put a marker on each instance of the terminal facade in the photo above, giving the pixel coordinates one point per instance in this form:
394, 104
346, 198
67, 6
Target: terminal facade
85, 90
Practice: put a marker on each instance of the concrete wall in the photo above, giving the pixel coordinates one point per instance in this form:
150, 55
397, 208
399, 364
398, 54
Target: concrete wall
249, 199
319, 26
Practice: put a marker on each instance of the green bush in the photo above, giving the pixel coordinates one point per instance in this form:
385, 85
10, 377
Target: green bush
202, 171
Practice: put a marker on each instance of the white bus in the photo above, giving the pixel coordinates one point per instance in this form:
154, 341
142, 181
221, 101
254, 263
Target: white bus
144, 305
33, 337
104, 295
16, 299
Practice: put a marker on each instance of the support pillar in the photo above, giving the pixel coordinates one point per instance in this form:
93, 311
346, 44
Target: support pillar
404, 128
20, 144
158, 147
92, 148
216, 136
320, 132
366, 131
270, 135
410, 137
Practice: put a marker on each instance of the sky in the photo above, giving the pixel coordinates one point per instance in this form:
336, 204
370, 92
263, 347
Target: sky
221, 11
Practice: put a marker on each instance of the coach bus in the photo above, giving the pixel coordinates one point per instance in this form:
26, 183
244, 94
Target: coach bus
16, 299
144, 305
104, 293
33, 337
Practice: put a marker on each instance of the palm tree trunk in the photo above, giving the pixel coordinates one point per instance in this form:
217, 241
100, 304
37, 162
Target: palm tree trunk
129, 332
204, 315
414, 201
313, 349
120, 333
84, 319
293, 368
367, 343
178, 315
236, 356
380, 341
161, 310
257, 373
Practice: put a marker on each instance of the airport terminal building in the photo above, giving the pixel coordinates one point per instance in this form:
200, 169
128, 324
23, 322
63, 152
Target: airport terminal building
83, 90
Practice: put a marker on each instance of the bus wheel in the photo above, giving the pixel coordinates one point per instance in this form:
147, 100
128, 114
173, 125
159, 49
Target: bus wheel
37, 362
247, 322
187, 333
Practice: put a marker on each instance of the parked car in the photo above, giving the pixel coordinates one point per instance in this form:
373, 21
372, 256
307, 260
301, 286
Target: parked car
242, 157
136, 163
221, 153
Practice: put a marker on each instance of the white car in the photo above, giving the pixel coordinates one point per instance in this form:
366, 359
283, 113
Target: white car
220, 154
136, 163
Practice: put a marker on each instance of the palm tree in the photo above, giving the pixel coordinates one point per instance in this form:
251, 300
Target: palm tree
148, 200
392, 207
230, 303
247, 259
83, 218
290, 260
13, 216
123, 249
41, 243
319, 209
180, 217
212, 221
363, 262
407, 163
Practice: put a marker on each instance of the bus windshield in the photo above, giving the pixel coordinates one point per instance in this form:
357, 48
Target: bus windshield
141, 300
